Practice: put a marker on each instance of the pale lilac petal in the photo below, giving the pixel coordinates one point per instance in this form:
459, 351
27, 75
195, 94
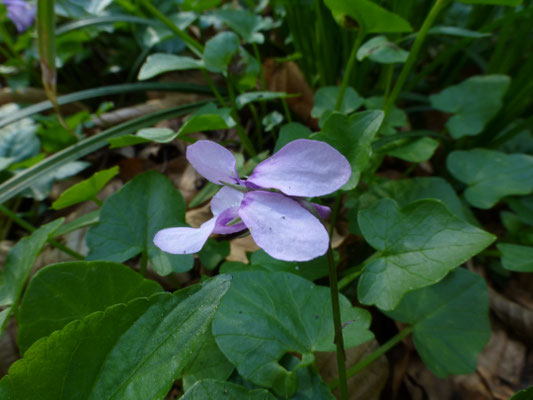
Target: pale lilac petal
226, 198
184, 240
305, 168
282, 227
226, 217
323, 211
213, 162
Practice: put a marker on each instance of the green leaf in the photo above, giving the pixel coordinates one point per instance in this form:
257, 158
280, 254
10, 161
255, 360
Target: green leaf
396, 118
473, 102
418, 244
160, 62
491, 175
159, 135
516, 257
326, 98
207, 118
523, 207
18, 265
208, 363
371, 17
289, 132
266, 315
61, 293
457, 31
85, 190
220, 50
271, 120
247, 24
129, 351
353, 137
126, 140
413, 150
380, 50
130, 218
450, 321
244, 99
510, 3
84, 221
199, 5
213, 253
526, 394
210, 389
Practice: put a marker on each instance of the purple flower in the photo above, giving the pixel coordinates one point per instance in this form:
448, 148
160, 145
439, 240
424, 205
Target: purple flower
21, 13
270, 203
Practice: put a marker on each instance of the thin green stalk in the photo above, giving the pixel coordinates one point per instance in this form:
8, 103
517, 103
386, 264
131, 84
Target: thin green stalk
353, 273
245, 140
195, 46
257, 56
286, 110
30, 228
213, 88
97, 201
365, 362
258, 125
350, 66
335, 212
144, 263
413, 54
339, 341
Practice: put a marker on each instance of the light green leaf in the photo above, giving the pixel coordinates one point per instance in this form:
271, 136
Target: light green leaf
247, 24
84, 221
158, 63
271, 120
474, 102
213, 253
129, 351
244, 99
457, 31
84, 288
245, 70
126, 140
17, 267
207, 363
516, 257
450, 321
210, 389
510, 3
85, 190
130, 218
372, 17
289, 132
413, 150
326, 98
491, 175
159, 135
418, 244
395, 119
353, 137
266, 315
220, 50
526, 394
41, 189
207, 118
380, 50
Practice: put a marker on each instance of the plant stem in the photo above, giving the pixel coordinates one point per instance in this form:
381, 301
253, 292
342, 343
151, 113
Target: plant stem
335, 213
30, 228
349, 67
196, 47
245, 140
353, 273
339, 341
413, 54
365, 362
144, 263
213, 88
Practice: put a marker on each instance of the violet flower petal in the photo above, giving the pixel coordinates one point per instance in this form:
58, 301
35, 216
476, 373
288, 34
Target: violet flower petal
21, 13
323, 211
306, 168
282, 227
184, 240
213, 162
226, 217
226, 198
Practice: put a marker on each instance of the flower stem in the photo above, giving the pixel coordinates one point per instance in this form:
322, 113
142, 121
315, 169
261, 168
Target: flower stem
365, 362
339, 341
30, 228
245, 140
413, 54
349, 67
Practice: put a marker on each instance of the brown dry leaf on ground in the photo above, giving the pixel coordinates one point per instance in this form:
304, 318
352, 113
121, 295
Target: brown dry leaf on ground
367, 384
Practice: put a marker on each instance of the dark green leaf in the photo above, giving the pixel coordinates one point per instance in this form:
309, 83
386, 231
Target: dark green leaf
418, 245
210, 389
213, 253
18, 140
526, 394
510, 3
61, 293
271, 120
207, 118
220, 50
474, 102
413, 150
247, 24
84, 221
380, 50
457, 31
158, 63
396, 118
130, 218
326, 98
250, 97
266, 315
450, 320
491, 175
290, 132
126, 140
129, 351
516, 257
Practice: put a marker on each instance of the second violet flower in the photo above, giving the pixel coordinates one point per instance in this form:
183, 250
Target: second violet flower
270, 203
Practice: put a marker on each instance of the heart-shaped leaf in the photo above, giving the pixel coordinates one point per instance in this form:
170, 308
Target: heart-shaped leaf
158, 63
220, 50
290, 132
209, 389
247, 24
418, 245
326, 98
413, 150
353, 137
491, 175
85, 287
130, 218
129, 351
207, 118
473, 102
18, 265
516, 257
266, 315
450, 321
